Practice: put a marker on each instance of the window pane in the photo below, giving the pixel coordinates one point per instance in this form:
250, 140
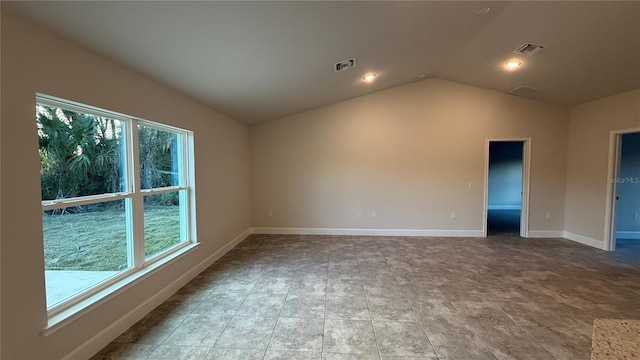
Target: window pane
159, 158
163, 226
80, 154
83, 246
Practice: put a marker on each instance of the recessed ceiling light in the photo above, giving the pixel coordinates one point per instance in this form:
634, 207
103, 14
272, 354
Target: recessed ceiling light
369, 77
512, 64
483, 11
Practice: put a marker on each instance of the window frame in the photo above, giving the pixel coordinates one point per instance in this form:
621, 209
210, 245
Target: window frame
133, 196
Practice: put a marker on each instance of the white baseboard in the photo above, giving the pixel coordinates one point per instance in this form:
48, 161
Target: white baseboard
103, 338
628, 235
599, 244
504, 207
367, 232
546, 234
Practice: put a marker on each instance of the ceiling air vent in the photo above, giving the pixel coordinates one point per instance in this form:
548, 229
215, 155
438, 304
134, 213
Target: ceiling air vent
527, 91
345, 65
528, 49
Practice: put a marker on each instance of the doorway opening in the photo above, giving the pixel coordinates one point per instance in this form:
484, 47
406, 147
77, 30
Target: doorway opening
624, 235
506, 200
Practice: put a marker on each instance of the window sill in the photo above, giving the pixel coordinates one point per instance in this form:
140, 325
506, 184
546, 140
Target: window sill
75, 311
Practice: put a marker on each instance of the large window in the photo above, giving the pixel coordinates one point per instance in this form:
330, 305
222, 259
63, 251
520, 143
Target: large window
117, 195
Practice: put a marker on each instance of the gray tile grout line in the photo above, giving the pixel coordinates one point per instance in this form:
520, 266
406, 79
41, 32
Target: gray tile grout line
435, 350
422, 327
324, 314
522, 328
539, 344
416, 317
231, 319
282, 307
183, 320
326, 296
180, 323
366, 298
473, 328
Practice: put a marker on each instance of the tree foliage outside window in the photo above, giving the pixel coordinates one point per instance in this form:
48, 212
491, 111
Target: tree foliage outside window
116, 195
81, 155
158, 163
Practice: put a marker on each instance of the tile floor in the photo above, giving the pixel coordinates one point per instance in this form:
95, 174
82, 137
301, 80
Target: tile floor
348, 297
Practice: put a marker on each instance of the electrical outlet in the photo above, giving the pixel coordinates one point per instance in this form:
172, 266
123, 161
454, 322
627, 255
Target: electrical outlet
270, 212
470, 184
359, 214
454, 215
374, 214
547, 215
636, 216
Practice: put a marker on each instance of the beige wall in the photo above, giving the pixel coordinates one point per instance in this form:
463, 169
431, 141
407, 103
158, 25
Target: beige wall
406, 153
588, 159
37, 61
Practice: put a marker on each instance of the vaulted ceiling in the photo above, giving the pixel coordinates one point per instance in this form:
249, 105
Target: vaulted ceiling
256, 61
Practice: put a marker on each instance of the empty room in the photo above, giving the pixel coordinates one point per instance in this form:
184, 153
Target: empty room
452, 180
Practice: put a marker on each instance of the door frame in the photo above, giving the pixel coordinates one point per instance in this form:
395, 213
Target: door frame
613, 169
526, 179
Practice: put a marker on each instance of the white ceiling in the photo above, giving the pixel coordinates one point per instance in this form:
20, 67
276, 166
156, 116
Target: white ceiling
256, 61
